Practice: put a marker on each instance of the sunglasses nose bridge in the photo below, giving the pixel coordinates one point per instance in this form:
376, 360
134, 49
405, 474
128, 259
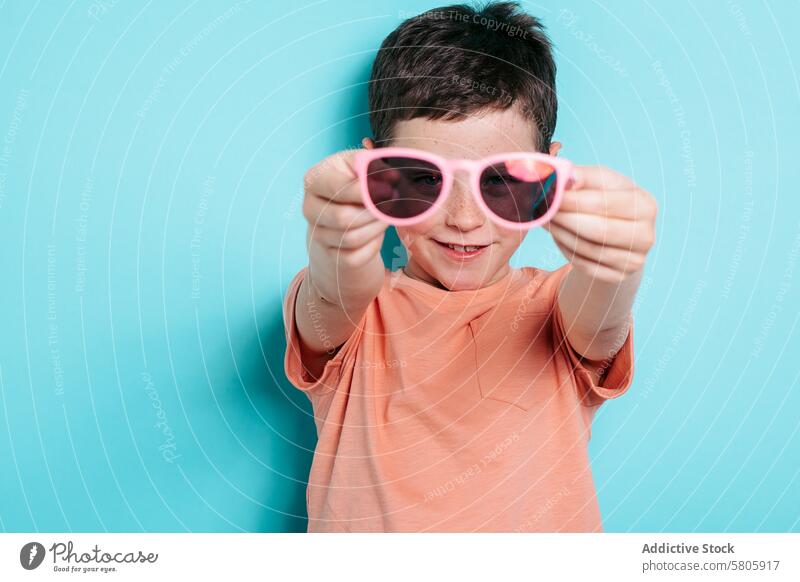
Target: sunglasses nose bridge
462, 211
465, 167
461, 171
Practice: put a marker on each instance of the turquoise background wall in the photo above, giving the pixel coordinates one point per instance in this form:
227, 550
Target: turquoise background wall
151, 162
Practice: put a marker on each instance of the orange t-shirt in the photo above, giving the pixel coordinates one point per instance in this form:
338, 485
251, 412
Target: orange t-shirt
455, 411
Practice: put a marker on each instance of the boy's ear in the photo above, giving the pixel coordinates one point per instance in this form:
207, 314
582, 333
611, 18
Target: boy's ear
554, 147
367, 143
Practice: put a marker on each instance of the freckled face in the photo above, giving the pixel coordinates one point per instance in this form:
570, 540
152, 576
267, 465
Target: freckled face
461, 221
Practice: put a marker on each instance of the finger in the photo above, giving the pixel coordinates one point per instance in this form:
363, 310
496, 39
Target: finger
347, 239
633, 235
597, 270
337, 190
528, 170
322, 212
593, 269
334, 178
618, 259
380, 171
358, 257
382, 190
600, 178
627, 204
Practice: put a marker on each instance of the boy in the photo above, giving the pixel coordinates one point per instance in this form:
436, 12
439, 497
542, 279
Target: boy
457, 394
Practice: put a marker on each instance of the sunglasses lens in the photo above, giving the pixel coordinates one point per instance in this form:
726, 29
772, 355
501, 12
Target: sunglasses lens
403, 187
519, 190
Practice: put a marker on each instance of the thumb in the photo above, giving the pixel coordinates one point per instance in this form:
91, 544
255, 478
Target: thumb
577, 179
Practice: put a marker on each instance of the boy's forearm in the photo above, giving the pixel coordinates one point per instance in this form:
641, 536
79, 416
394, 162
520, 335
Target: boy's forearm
330, 302
596, 313
346, 287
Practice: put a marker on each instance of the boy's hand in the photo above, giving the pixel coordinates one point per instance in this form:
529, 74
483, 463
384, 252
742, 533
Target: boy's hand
344, 240
605, 225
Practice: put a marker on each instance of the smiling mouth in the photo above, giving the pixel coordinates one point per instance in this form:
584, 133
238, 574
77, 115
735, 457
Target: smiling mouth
461, 251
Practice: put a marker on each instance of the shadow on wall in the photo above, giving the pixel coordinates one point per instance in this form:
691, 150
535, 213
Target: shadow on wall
282, 406
286, 413
285, 422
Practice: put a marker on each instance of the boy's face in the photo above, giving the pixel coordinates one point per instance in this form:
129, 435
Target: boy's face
461, 221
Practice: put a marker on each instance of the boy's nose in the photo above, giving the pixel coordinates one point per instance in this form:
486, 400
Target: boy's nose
462, 212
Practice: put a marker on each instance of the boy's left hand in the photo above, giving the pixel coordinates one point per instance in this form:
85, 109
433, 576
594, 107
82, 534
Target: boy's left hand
605, 225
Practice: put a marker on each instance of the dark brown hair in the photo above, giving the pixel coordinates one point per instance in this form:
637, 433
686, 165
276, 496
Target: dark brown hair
454, 61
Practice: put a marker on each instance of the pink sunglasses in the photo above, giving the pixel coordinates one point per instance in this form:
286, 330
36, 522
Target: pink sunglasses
518, 190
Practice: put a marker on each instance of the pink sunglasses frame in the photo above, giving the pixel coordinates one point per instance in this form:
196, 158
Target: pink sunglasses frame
564, 175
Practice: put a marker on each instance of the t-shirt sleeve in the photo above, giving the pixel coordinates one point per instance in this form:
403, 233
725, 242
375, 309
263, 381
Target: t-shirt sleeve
294, 368
615, 372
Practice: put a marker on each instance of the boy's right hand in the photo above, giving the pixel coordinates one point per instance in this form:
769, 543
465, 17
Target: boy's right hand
344, 239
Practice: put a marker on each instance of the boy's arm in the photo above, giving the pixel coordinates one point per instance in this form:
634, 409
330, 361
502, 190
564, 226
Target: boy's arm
605, 227
345, 271
596, 314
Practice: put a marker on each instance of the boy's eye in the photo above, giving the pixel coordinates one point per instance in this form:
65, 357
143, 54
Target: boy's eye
499, 180
428, 180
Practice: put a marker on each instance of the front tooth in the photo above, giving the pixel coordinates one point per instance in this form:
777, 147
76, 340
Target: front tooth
463, 249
